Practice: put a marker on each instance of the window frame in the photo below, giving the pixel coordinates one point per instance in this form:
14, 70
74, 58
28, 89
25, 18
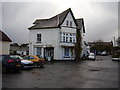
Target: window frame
71, 39
39, 38
67, 23
66, 53
68, 37
38, 51
70, 23
31, 57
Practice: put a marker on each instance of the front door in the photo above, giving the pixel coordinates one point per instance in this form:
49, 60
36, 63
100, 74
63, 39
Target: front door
49, 53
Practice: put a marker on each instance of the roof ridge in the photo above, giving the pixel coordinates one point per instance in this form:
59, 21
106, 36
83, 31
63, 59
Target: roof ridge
62, 12
54, 21
55, 15
57, 21
79, 18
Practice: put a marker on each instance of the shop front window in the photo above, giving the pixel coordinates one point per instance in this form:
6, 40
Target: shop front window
38, 50
66, 52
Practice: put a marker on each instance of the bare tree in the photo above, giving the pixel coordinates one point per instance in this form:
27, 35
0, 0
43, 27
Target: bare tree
100, 46
78, 48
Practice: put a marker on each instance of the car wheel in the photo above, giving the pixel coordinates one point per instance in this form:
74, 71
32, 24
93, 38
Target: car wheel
4, 69
41, 66
16, 70
22, 67
34, 65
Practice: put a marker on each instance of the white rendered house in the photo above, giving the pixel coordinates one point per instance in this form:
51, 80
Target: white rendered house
55, 37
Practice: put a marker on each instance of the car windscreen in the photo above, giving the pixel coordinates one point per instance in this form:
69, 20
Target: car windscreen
4, 57
25, 57
15, 57
92, 54
40, 57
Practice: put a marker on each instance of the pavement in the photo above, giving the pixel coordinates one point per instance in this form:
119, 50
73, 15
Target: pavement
101, 73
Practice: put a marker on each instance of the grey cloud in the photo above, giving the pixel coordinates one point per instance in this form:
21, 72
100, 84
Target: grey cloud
104, 25
17, 17
0, 15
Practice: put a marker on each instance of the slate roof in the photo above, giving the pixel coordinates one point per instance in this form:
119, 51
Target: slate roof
56, 21
53, 22
4, 37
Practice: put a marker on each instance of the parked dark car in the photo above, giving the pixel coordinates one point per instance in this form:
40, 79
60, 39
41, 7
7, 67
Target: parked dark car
25, 63
9, 63
98, 53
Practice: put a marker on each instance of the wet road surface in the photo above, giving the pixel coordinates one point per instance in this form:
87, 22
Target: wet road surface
102, 73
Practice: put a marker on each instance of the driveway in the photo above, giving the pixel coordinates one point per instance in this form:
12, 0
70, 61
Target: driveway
102, 73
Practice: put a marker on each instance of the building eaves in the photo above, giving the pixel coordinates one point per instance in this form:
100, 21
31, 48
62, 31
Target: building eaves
4, 37
53, 22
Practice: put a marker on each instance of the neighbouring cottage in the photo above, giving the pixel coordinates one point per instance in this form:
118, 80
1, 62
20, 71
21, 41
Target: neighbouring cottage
19, 50
4, 43
55, 37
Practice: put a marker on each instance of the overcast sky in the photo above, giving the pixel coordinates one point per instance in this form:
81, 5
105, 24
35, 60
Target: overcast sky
100, 18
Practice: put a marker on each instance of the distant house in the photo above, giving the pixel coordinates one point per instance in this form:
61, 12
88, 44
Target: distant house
55, 37
104, 43
99, 47
19, 49
4, 43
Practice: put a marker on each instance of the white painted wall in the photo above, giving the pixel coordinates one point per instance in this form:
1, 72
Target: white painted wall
4, 47
50, 37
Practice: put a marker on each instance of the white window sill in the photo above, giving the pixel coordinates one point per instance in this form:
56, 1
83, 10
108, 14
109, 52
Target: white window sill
38, 42
66, 57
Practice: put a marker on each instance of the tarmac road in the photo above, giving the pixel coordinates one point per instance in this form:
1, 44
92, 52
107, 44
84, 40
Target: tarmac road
102, 73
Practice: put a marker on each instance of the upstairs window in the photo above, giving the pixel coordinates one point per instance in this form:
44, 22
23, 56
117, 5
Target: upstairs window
74, 38
66, 37
38, 37
70, 39
67, 23
63, 38
70, 23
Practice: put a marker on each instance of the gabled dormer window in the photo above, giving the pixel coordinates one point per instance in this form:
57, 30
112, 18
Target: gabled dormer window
70, 23
67, 23
39, 38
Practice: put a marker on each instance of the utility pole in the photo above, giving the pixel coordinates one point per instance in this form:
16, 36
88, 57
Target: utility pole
114, 41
